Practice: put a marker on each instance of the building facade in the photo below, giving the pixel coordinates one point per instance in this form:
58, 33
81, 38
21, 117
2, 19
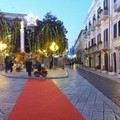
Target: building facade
102, 28
10, 17
25, 34
79, 47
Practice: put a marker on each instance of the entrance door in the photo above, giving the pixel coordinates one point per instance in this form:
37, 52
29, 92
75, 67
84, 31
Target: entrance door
106, 61
114, 57
99, 57
89, 61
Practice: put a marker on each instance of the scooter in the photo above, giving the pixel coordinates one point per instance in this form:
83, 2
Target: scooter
43, 72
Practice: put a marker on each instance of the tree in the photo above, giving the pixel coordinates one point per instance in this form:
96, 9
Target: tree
15, 32
52, 30
5, 31
38, 40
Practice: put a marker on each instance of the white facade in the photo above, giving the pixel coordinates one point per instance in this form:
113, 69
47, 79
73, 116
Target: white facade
80, 46
26, 21
102, 26
11, 16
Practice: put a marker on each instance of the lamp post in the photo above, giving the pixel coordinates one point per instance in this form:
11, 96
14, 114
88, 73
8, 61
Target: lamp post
54, 47
2, 46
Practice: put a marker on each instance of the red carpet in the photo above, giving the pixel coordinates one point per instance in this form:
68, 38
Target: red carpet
42, 100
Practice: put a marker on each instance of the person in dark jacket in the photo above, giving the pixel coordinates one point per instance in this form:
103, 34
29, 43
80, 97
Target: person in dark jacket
6, 61
11, 65
29, 66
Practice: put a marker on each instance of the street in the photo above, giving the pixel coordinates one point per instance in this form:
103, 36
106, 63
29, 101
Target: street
89, 101
109, 88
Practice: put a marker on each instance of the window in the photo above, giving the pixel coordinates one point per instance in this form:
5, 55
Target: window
98, 12
94, 19
94, 41
107, 34
99, 38
86, 28
89, 25
106, 37
119, 28
89, 44
115, 1
115, 31
105, 4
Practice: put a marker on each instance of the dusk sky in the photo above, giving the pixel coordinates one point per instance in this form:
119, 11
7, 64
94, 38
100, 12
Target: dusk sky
71, 12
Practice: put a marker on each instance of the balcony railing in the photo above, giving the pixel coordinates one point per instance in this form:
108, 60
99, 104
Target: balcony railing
105, 46
88, 32
117, 6
93, 28
98, 22
104, 14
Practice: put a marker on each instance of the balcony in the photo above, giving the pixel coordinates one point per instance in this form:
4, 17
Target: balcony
116, 44
88, 32
105, 46
98, 22
104, 14
117, 6
93, 28
94, 49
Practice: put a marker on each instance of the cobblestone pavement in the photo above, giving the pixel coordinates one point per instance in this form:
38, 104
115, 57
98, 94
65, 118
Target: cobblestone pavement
108, 87
10, 89
85, 97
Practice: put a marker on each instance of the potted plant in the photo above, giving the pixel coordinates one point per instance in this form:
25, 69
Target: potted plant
98, 68
103, 69
36, 74
118, 76
111, 72
18, 67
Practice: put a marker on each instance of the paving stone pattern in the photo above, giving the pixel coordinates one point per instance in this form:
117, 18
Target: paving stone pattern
10, 90
84, 96
87, 99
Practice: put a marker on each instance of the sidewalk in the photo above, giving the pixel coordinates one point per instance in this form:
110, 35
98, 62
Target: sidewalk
98, 72
52, 74
89, 101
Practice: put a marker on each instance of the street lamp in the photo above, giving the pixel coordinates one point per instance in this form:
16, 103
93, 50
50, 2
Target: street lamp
54, 47
2, 46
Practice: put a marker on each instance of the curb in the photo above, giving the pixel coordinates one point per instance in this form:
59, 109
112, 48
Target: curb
66, 76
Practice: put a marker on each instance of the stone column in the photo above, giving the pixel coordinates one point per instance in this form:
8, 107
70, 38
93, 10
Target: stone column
22, 41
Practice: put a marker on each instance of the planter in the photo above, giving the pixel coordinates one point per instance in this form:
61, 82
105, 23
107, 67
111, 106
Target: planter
98, 70
103, 71
93, 69
36, 74
118, 76
18, 69
111, 73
